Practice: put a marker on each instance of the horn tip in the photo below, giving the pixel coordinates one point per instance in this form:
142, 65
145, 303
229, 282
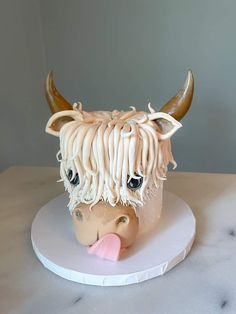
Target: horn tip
50, 75
49, 80
190, 75
189, 79
190, 72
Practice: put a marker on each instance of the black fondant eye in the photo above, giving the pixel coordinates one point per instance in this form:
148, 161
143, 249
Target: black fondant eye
134, 183
73, 180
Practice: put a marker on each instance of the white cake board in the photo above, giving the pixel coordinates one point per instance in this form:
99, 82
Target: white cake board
152, 255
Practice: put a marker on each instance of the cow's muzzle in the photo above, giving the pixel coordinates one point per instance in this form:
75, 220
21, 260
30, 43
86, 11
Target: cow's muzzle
90, 225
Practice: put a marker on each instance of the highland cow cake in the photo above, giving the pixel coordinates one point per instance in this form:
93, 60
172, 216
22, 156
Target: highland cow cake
112, 164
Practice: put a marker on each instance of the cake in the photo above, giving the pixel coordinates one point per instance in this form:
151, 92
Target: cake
112, 165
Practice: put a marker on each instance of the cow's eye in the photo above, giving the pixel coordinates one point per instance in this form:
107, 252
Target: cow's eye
73, 180
134, 184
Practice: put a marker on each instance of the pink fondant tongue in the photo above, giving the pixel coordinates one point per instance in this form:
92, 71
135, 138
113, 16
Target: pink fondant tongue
107, 247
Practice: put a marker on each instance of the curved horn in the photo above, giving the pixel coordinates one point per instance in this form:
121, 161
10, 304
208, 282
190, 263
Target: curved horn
179, 105
55, 100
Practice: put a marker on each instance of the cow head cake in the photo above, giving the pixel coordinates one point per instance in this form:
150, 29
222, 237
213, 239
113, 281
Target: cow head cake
112, 164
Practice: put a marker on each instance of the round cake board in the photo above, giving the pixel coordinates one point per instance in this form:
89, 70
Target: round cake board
152, 254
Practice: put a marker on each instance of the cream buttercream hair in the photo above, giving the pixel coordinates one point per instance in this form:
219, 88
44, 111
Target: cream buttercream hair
105, 150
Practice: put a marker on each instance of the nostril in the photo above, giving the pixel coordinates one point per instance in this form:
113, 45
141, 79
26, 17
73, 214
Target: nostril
122, 220
79, 215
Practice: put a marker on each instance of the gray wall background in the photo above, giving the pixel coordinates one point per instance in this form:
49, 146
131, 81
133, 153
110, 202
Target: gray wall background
114, 54
22, 71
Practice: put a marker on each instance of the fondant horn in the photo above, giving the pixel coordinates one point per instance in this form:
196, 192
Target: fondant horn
179, 105
55, 100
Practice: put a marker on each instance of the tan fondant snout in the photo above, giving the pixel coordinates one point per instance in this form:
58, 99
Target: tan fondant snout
102, 219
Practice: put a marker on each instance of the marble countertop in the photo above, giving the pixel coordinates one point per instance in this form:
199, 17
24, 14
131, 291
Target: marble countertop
203, 283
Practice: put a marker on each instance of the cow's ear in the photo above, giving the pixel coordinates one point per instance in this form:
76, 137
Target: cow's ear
57, 120
167, 125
